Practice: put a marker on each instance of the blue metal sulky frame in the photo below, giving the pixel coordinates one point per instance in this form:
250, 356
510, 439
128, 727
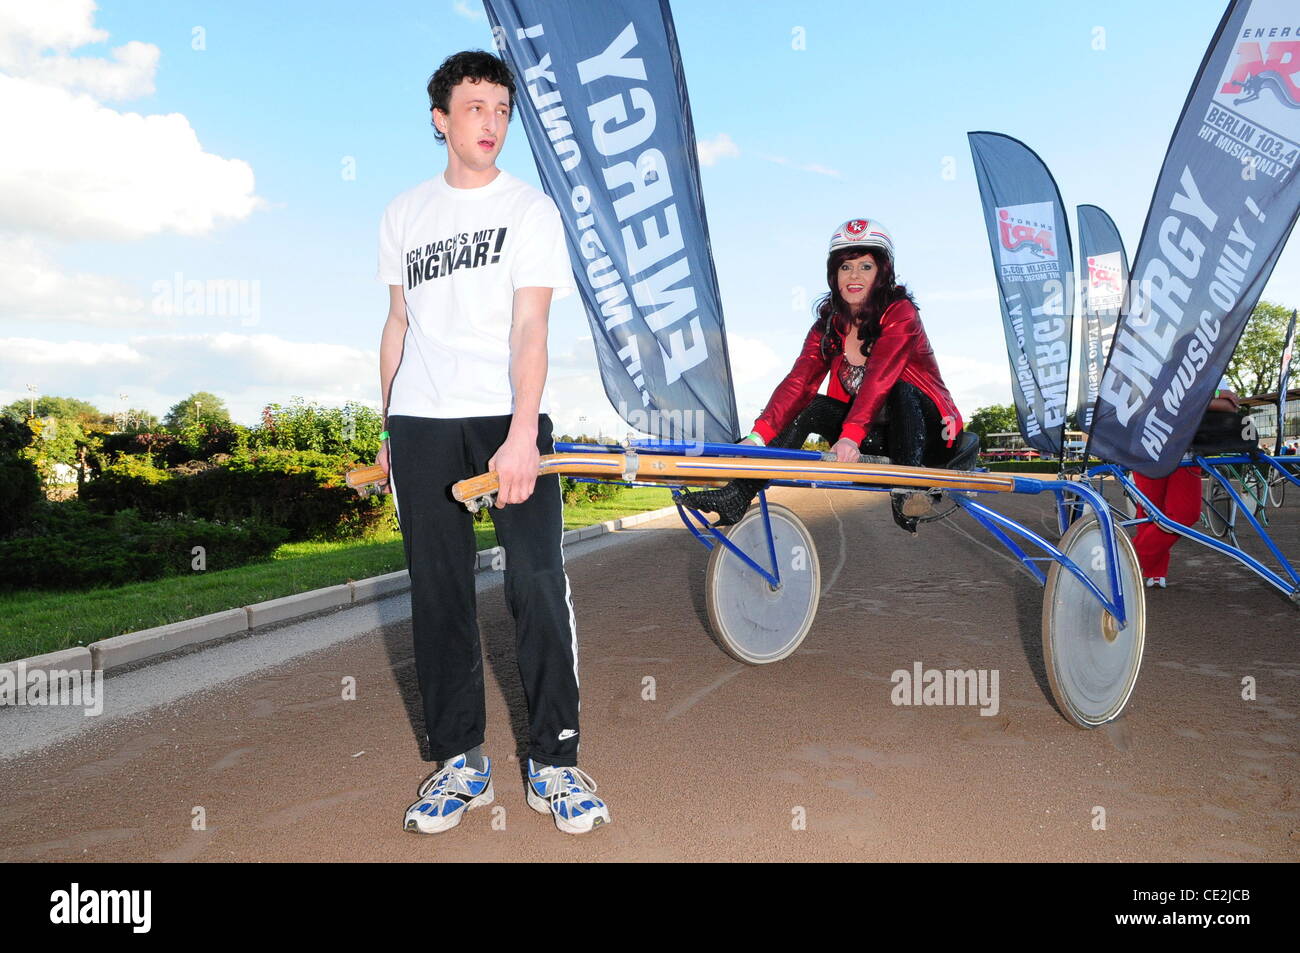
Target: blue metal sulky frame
1286, 578
1002, 528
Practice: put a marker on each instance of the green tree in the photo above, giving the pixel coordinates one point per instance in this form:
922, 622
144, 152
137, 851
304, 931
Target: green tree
63, 408
56, 440
1256, 362
201, 407
995, 418
20, 484
300, 425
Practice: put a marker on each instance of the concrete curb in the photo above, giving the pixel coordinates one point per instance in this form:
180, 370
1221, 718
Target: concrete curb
74, 659
302, 603
111, 653
147, 643
376, 586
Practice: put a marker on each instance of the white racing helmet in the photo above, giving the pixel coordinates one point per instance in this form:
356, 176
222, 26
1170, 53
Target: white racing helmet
863, 233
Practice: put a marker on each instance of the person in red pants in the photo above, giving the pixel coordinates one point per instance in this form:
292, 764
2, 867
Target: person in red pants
1178, 496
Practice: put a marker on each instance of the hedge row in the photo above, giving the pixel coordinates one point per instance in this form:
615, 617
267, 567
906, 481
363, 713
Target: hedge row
301, 491
67, 546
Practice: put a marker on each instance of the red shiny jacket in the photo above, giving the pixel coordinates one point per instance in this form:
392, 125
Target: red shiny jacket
901, 352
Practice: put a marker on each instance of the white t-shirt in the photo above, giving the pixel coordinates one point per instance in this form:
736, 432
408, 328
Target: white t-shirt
459, 255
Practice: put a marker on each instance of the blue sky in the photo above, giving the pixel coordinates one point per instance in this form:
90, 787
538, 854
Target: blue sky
249, 179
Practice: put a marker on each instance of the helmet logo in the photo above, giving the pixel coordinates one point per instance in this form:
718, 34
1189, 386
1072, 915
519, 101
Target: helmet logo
856, 227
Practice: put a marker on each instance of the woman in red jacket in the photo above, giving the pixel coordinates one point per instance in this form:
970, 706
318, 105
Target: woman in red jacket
885, 395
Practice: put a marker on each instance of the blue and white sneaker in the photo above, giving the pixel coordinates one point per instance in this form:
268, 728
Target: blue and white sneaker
568, 795
448, 794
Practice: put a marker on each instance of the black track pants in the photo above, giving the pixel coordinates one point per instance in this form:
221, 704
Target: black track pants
427, 455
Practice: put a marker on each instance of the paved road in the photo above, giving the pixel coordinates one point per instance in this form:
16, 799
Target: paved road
806, 759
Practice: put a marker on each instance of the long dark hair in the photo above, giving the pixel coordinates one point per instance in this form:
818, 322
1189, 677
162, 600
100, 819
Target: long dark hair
834, 312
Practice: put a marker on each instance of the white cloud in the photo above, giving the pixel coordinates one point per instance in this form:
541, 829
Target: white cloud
73, 168
25, 355
248, 371
34, 288
974, 383
754, 359
468, 12
719, 147
804, 167
37, 38
274, 362
76, 169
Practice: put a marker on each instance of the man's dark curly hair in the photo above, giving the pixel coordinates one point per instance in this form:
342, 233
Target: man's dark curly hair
474, 65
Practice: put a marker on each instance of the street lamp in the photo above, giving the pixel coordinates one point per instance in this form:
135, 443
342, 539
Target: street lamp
31, 401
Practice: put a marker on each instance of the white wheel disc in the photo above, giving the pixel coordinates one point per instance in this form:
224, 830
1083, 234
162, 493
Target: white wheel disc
753, 622
1092, 661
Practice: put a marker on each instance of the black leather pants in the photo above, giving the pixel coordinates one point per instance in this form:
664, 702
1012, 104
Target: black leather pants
909, 431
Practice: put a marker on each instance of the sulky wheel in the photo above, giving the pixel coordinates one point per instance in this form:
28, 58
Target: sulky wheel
1092, 663
1276, 489
753, 622
1221, 512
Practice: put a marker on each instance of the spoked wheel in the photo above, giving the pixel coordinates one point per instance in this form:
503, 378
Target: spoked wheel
1122, 508
752, 621
1254, 488
1092, 661
1276, 489
1221, 512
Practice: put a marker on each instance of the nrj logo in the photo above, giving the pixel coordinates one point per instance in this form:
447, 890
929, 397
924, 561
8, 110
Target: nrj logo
1026, 232
1260, 69
53, 687
1104, 290
1104, 274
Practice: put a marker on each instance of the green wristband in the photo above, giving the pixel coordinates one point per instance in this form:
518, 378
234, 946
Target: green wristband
757, 437
384, 435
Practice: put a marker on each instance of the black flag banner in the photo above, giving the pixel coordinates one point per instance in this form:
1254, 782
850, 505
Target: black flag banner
603, 99
1033, 263
1103, 271
1225, 202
